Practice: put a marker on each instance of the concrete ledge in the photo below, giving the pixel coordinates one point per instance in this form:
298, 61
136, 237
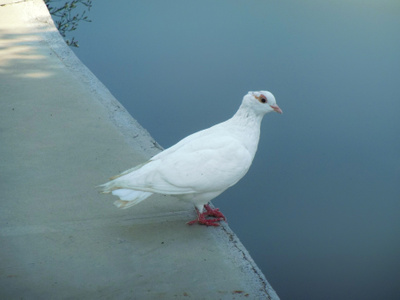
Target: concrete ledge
62, 133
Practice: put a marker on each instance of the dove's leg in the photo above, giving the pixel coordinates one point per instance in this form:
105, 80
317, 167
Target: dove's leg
209, 212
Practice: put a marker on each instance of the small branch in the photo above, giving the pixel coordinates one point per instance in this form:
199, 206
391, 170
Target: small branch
67, 19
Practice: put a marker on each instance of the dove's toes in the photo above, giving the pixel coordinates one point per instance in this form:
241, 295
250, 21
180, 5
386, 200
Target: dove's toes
210, 212
204, 221
209, 222
214, 212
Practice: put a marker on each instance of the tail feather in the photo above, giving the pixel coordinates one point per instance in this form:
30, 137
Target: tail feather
117, 186
129, 197
108, 187
129, 171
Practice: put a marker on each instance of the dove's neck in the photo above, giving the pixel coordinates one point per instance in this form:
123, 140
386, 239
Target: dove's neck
245, 124
247, 117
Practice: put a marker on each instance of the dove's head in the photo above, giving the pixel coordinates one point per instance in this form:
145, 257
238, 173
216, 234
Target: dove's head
262, 102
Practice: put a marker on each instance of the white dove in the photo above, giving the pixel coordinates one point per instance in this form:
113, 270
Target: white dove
201, 166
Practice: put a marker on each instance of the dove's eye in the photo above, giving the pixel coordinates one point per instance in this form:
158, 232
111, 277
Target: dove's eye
262, 99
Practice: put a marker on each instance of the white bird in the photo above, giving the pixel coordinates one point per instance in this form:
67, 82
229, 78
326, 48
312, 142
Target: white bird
201, 166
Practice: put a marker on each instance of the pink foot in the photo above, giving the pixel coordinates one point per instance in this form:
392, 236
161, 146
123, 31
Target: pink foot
214, 212
209, 212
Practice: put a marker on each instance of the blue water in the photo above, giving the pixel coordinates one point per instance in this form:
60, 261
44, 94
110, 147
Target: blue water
319, 210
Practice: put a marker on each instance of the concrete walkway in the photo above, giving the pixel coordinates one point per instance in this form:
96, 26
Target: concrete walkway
61, 134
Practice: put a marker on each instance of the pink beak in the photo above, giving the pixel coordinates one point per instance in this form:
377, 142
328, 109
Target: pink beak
276, 108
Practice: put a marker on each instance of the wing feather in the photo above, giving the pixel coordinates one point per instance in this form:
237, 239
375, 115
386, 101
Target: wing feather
193, 168
206, 161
